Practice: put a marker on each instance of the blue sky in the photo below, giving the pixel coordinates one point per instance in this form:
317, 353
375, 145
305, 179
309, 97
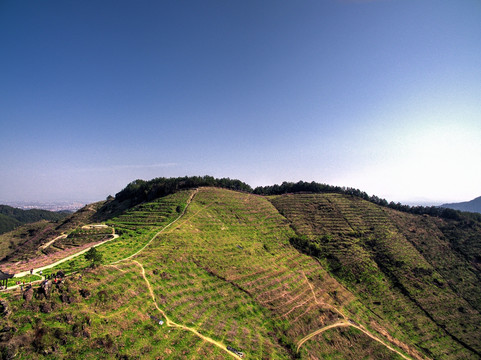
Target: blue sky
379, 95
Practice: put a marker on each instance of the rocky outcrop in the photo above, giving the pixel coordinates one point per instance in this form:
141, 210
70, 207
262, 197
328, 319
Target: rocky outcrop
28, 294
44, 290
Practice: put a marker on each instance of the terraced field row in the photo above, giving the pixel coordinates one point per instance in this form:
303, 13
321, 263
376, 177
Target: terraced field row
332, 214
153, 213
192, 290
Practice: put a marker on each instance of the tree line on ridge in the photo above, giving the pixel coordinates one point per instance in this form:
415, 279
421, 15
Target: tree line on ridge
140, 191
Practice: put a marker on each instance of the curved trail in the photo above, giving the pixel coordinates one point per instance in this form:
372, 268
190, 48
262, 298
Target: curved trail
344, 323
341, 323
114, 236
379, 341
162, 230
35, 271
170, 323
49, 266
44, 246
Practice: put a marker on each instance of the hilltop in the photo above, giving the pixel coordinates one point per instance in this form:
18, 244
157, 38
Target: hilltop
212, 272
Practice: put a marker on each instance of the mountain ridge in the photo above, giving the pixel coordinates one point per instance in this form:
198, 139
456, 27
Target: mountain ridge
11, 217
471, 206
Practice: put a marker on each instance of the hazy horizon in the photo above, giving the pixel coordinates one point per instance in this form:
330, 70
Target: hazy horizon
30, 202
379, 95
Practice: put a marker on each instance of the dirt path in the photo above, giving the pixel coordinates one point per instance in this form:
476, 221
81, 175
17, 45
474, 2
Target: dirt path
114, 236
44, 246
341, 323
162, 230
333, 308
379, 340
347, 323
170, 323
35, 271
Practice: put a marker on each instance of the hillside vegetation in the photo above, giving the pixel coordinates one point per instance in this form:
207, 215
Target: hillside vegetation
403, 267
195, 272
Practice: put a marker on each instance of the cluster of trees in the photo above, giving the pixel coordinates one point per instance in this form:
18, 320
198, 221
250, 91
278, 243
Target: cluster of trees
140, 190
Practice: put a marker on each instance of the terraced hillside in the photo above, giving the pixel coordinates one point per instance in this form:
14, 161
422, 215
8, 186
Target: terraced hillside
191, 274
28, 242
402, 267
136, 228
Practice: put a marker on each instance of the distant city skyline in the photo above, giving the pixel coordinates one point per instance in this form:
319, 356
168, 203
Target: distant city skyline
378, 95
51, 206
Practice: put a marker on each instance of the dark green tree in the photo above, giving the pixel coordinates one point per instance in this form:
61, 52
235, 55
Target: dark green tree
93, 256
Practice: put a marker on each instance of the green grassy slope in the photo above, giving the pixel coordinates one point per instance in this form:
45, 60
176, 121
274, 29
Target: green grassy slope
223, 274
391, 261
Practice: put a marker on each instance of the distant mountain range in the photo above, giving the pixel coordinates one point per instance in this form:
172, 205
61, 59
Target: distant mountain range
472, 206
11, 217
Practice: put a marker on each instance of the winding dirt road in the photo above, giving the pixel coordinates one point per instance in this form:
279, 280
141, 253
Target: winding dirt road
44, 246
37, 270
341, 323
347, 323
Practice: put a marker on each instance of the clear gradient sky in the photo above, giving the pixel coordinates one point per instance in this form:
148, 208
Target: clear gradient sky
384, 96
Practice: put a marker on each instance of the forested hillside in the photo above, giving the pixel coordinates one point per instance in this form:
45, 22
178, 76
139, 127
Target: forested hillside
11, 217
7, 223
